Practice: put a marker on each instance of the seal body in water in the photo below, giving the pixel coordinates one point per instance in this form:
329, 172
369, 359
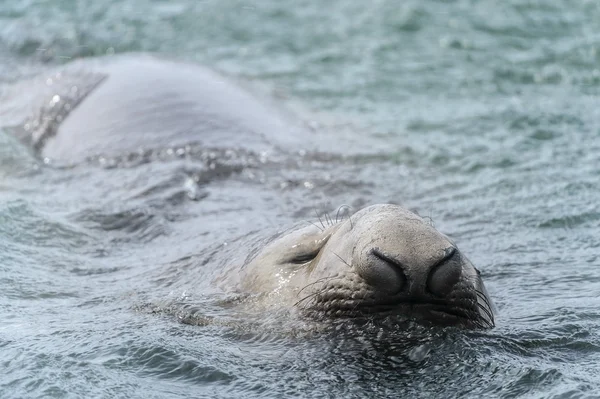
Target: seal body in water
119, 105
383, 260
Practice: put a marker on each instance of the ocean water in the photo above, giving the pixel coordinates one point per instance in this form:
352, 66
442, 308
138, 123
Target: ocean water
482, 115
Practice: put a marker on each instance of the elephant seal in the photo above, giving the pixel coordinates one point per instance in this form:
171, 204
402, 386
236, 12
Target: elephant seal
383, 260
122, 104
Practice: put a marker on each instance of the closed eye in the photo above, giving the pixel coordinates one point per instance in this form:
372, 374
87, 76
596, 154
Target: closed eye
304, 257
307, 248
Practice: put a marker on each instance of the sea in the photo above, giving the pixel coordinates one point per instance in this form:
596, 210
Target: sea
482, 116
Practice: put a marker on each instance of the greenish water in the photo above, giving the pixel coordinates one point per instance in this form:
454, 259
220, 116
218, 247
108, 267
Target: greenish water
483, 115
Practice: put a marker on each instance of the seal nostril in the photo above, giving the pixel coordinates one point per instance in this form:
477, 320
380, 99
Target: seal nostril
445, 274
382, 272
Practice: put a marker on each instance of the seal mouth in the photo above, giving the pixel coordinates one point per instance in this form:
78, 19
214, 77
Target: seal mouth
442, 314
472, 314
447, 316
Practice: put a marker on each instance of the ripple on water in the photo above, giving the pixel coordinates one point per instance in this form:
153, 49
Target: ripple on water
483, 115
22, 224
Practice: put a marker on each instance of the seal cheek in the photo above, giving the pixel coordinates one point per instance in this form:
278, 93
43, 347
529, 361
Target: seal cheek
380, 272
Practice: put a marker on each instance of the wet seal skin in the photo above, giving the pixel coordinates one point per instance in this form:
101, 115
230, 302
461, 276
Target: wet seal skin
114, 106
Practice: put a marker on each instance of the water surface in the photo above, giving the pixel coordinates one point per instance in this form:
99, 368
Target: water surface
481, 115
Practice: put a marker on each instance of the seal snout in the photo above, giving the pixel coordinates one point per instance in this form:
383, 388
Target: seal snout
389, 276
445, 274
383, 272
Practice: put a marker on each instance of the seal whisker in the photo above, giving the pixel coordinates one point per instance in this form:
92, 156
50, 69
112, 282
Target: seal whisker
318, 217
318, 292
430, 219
309, 296
328, 219
479, 293
314, 224
486, 310
483, 323
482, 296
346, 208
315, 282
342, 259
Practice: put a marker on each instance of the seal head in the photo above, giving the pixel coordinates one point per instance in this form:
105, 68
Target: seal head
383, 260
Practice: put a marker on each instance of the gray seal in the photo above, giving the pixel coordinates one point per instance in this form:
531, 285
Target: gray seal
383, 260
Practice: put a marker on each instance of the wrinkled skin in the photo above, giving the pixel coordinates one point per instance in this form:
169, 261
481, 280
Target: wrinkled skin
383, 260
